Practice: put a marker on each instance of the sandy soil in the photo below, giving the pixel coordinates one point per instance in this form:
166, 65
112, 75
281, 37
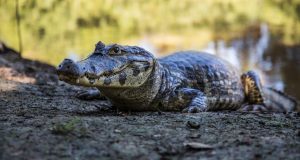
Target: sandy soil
41, 119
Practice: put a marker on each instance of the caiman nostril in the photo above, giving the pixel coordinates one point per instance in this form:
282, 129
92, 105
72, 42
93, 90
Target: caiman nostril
68, 60
68, 67
93, 68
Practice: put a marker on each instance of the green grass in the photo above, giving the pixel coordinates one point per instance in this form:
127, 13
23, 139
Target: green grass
64, 128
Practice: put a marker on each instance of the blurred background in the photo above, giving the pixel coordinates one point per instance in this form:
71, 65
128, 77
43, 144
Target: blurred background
262, 35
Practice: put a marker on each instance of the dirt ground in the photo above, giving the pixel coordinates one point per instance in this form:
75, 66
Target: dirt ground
41, 119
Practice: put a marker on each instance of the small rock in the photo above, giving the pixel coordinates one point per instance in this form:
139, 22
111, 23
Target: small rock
195, 135
193, 124
198, 146
157, 136
117, 131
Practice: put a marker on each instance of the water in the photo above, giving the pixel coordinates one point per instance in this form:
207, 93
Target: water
277, 64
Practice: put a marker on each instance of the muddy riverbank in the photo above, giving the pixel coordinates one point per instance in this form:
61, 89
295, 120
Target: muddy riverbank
41, 119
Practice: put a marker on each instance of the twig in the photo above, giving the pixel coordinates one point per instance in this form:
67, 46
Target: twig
19, 27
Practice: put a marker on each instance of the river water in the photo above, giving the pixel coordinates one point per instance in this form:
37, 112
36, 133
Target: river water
277, 64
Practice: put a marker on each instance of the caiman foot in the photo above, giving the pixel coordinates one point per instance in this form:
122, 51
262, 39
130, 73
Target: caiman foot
194, 109
253, 88
254, 93
90, 94
194, 99
254, 108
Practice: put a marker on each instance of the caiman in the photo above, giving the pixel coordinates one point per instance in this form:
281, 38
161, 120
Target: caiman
131, 78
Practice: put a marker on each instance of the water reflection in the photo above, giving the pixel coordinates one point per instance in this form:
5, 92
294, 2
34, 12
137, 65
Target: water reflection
146, 44
74, 56
277, 64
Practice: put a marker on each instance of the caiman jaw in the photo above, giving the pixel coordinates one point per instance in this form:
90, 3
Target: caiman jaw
125, 77
69, 79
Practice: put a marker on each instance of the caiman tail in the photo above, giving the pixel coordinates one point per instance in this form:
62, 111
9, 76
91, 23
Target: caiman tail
277, 101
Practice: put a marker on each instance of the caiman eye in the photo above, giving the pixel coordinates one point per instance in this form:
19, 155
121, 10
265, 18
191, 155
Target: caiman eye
115, 50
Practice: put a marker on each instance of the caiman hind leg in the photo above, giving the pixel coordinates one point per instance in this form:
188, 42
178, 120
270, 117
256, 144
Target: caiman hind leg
188, 99
253, 92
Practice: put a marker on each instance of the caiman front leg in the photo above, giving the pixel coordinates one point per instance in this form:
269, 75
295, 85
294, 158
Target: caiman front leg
90, 94
190, 100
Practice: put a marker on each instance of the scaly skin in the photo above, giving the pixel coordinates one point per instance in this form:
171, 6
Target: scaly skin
132, 79
197, 81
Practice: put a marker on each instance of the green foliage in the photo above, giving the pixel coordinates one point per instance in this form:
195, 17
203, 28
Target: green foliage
64, 128
52, 28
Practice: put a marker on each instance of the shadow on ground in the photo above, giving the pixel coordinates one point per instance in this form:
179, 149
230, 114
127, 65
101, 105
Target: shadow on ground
41, 119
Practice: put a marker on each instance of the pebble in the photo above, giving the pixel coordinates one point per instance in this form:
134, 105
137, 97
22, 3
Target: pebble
197, 145
193, 124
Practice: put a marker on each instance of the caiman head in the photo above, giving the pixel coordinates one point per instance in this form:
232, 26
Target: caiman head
109, 66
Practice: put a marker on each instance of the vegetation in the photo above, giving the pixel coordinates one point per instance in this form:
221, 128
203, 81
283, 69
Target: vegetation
65, 127
52, 29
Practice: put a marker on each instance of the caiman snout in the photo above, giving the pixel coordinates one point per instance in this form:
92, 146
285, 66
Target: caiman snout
68, 68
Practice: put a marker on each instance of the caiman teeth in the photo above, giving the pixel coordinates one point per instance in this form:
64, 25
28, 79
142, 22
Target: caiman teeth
91, 77
92, 81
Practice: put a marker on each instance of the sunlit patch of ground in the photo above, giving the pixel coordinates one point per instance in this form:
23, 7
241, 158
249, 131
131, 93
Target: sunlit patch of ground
12, 75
